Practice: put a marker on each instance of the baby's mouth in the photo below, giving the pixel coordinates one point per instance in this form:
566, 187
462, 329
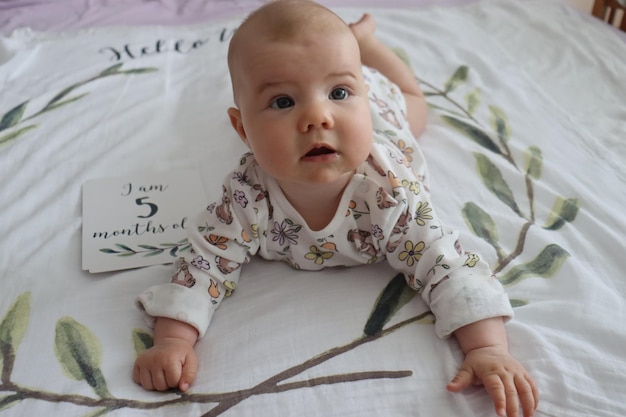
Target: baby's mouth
318, 151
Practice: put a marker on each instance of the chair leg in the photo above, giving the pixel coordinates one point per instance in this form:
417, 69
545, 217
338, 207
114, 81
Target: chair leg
599, 9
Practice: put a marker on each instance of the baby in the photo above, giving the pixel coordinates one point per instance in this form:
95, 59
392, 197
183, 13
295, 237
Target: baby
332, 179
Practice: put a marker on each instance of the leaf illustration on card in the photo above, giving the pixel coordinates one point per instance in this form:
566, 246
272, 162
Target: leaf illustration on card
80, 354
545, 265
494, 181
472, 132
564, 211
149, 250
12, 329
392, 298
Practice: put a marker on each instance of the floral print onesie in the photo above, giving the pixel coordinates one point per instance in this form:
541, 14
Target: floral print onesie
385, 214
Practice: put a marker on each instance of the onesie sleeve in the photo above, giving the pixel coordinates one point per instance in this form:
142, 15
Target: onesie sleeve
458, 286
220, 242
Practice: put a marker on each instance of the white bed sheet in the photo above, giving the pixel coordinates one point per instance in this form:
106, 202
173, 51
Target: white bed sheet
292, 343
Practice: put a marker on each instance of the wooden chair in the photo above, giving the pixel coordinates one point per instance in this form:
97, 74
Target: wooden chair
607, 10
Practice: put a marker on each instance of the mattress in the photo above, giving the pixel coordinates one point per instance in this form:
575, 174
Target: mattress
526, 152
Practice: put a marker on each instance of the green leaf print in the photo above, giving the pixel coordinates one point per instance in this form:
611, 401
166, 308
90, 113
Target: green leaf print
79, 352
563, 211
545, 265
533, 162
459, 77
392, 298
111, 70
12, 331
480, 223
494, 181
60, 96
499, 123
472, 99
472, 132
8, 401
56, 105
515, 302
139, 71
142, 340
13, 116
14, 135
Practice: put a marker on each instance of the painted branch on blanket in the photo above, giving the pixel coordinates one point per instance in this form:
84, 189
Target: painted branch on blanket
17, 125
79, 351
495, 139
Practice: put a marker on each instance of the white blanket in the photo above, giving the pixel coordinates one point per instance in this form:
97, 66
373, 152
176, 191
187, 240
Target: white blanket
526, 150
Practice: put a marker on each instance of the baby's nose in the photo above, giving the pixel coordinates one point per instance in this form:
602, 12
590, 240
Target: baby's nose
316, 116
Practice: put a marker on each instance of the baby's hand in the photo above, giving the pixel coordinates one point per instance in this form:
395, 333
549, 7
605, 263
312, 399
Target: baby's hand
504, 378
169, 364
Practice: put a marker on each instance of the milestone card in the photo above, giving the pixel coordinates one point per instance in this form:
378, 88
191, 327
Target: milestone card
139, 220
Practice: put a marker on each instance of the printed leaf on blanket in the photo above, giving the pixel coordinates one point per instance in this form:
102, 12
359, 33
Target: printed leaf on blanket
472, 100
564, 211
533, 162
459, 77
474, 133
395, 295
14, 117
142, 340
496, 140
545, 265
80, 354
500, 123
492, 177
12, 331
482, 225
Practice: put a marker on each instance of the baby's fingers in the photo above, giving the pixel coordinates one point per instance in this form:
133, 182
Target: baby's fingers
189, 372
528, 394
496, 389
461, 380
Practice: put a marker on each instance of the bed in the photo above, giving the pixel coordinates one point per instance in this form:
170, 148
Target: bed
527, 153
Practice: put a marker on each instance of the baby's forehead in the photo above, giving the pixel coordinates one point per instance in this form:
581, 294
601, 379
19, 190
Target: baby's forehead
290, 27
257, 35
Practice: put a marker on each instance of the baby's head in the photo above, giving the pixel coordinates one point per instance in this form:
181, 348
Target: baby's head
302, 105
280, 21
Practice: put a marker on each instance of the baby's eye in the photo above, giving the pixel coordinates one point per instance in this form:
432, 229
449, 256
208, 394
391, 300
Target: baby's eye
282, 102
339, 94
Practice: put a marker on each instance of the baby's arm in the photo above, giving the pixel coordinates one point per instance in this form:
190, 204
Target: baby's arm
488, 362
171, 362
376, 55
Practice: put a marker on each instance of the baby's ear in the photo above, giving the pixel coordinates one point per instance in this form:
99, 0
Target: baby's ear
235, 120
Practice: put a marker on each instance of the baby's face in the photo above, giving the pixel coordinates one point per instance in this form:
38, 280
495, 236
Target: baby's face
303, 107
